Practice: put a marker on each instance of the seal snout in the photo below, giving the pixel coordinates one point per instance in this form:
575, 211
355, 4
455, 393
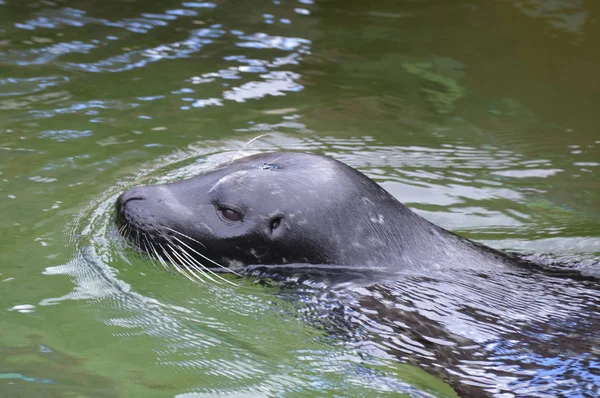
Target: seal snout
124, 202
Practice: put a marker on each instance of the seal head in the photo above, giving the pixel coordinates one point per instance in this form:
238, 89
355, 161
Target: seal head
284, 208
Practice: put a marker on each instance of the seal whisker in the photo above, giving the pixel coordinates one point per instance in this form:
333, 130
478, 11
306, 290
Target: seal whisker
159, 258
137, 238
193, 267
191, 261
123, 231
152, 243
197, 265
200, 254
138, 242
275, 160
204, 257
128, 231
175, 265
245, 145
186, 270
148, 244
186, 236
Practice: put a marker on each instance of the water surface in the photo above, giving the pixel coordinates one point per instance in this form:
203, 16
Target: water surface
480, 116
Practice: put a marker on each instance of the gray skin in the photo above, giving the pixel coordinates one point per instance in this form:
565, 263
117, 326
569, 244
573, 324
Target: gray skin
293, 208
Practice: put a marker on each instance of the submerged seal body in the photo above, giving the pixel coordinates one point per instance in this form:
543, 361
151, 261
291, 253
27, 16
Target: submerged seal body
289, 208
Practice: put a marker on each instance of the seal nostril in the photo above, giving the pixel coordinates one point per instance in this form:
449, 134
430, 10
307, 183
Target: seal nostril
131, 195
126, 197
127, 200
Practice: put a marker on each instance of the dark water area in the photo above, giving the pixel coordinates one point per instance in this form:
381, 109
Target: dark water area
480, 116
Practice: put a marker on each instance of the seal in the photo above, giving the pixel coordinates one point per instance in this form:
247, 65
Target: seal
289, 208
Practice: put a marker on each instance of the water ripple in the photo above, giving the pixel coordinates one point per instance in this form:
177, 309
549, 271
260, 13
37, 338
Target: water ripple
19, 86
263, 40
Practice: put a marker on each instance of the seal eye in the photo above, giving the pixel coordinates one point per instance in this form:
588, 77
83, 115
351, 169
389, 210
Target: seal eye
230, 215
275, 223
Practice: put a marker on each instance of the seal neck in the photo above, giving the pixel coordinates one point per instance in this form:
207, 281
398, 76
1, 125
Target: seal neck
404, 239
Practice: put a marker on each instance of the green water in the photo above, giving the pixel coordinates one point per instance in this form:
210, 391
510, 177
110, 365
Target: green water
482, 116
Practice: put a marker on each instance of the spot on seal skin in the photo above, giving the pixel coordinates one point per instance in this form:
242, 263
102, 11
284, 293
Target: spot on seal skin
377, 220
269, 166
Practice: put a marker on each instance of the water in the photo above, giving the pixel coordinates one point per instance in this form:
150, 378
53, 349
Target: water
480, 116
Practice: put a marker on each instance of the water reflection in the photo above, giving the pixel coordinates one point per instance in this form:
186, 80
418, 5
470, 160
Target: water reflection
505, 333
259, 77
